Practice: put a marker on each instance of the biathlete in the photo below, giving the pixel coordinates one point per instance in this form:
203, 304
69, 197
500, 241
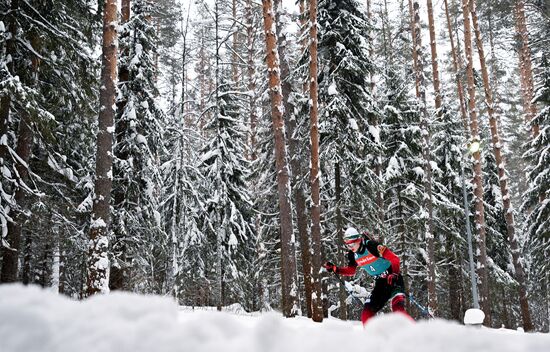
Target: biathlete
380, 263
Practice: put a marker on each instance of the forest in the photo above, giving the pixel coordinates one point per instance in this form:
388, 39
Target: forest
216, 151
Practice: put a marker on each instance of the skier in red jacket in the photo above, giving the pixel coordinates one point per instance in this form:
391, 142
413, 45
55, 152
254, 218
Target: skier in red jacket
380, 263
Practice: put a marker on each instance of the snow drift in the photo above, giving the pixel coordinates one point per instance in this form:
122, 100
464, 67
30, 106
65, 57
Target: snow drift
36, 320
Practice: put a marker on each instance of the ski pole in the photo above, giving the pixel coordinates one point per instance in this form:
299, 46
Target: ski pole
342, 282
425, 311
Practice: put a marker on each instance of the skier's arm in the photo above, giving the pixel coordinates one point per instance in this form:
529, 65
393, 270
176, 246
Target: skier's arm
350, 269
394, 260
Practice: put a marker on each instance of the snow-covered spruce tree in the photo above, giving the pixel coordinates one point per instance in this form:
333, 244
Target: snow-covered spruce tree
348, 139
182, 205
46, 83
498, 252
348, 136
137, 180
264, 185
228, 213
448, 141
402, 174
537, 199
259, 151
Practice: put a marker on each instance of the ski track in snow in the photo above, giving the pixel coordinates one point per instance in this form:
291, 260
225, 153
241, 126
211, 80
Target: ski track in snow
36, 320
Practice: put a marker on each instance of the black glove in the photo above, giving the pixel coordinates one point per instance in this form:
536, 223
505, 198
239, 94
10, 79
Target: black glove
330, 267
392, 279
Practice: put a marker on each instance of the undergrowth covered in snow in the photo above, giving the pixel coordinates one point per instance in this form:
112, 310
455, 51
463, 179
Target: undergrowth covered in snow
36, 320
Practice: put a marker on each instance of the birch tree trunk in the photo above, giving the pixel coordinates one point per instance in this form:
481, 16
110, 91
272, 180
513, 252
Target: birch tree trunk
483, 277
98, 260
503, 178
317, 309
288, 259
421, 95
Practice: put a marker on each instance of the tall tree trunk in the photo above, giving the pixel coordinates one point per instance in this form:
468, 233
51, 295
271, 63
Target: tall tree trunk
303, 43
223, 233
525, 66
421, 95
402, 244
10, 264
288, 259
378, 158
314, 173
234, 56
300, 198
546, 299
435, 67
26, 272
118, 272
342, 295
296, 164
502, 177
505, 308
251, 70
453, 278
55, 268
174, 243
457, 69
483, 277
98, 259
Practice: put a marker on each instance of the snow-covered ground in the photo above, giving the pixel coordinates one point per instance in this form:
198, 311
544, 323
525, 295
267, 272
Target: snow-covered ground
35, 320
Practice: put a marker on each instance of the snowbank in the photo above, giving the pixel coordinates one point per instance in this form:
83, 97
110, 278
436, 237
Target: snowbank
35, 320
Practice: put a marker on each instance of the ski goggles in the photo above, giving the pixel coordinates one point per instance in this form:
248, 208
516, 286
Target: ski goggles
352, 243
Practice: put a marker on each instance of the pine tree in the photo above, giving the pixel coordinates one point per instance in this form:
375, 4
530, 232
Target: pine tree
98, 248
288, 260
483, 277
502, 177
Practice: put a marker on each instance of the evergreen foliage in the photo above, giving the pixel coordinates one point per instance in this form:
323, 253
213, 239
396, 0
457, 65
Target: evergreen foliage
47, 71
228, 216
137, 222
348, 114
537, 199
